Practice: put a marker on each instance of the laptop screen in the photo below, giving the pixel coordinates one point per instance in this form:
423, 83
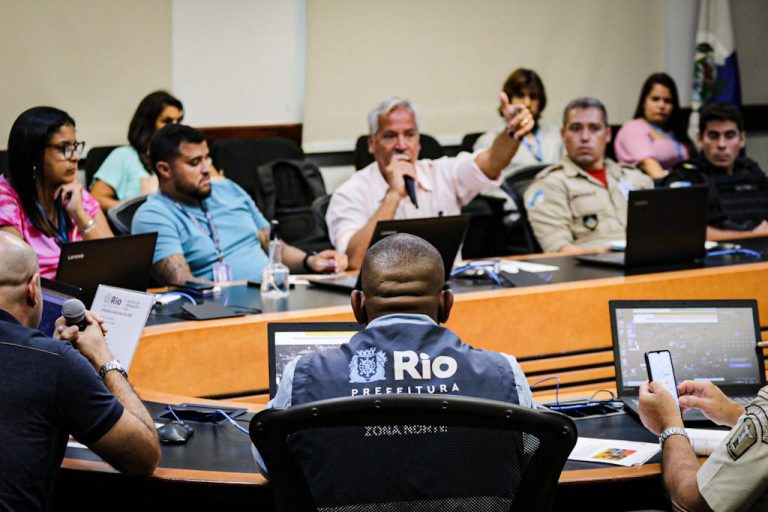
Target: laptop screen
122, 261
446, 234
287, 341
54, 295
709, 340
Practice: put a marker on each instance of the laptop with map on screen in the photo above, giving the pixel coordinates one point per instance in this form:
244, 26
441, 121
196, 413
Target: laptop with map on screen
713, 340
289, 340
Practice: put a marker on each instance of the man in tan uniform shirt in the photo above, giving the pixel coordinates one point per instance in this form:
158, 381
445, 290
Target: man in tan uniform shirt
735, 477
581, 202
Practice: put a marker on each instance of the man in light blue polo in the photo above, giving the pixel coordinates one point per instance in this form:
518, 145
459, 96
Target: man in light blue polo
206, 225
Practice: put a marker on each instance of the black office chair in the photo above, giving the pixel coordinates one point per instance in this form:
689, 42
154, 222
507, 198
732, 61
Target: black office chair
4, 163
412, 452
430, 149
485, 234
320, 208
93, 161
610, 148
237, 158
121, 215
516, 185
468, 141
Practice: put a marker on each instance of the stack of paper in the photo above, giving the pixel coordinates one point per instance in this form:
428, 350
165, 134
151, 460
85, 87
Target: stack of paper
613, 451
704, 441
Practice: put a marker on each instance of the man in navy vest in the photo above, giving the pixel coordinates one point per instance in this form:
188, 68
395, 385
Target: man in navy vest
403, 349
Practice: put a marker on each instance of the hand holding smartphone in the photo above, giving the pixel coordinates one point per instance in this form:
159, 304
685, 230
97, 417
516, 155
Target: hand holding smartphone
659, 365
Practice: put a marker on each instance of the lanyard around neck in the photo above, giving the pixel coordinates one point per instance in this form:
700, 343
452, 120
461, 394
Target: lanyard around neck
537, 152
210, 232
60, 233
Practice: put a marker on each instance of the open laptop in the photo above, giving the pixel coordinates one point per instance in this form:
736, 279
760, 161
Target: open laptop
665, 226
54, 295
713, 340
445, 233
122, 261
287, 341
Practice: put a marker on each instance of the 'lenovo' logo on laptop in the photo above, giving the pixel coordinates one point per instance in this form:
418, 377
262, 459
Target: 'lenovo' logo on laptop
71, 257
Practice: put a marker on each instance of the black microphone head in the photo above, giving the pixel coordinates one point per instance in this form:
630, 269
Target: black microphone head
73, 310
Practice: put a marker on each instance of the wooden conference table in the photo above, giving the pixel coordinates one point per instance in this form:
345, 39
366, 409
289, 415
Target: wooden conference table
560, 327
561, 324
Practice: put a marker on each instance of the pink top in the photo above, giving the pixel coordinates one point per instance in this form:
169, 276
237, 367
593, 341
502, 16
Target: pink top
443, 186
47, 248
638, 140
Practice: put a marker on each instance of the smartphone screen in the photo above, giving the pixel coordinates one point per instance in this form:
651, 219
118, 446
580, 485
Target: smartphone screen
659, 364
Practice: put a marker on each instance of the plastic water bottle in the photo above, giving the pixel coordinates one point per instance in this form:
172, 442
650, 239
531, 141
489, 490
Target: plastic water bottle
275, 276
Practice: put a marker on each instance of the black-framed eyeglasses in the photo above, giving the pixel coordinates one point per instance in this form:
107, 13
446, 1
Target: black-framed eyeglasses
68, 149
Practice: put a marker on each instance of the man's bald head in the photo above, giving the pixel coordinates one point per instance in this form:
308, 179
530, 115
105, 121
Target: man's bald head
402, 274
19, 280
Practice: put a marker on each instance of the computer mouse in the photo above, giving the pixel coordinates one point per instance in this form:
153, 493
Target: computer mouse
174, 432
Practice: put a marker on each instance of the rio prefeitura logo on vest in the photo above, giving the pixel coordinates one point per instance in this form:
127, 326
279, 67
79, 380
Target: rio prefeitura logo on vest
369, 365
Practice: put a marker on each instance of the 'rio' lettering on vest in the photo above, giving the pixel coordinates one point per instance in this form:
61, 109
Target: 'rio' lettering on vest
419, 366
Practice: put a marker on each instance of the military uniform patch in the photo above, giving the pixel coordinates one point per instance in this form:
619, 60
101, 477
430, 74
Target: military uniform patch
742, 439
591, 222
762, 419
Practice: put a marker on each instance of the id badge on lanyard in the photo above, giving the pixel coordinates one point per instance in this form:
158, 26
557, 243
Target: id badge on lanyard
222, 272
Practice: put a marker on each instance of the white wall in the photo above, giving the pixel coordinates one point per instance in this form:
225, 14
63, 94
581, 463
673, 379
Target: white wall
250, 61
239, 62
451, 57
95, 59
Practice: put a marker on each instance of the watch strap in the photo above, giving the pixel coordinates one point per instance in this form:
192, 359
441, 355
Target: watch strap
673, 431
112, 365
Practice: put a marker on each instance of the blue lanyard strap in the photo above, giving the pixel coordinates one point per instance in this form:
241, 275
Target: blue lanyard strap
60, 233
537, 152
211, 231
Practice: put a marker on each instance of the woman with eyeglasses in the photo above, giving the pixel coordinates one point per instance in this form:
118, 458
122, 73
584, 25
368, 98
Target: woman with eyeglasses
655, 140
42, 202
126, 172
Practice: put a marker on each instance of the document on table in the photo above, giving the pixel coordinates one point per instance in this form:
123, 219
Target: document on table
613, 451
125, 313
512, 266
704, 440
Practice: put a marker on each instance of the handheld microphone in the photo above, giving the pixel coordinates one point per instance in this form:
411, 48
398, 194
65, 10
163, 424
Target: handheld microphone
410, 187
73, 311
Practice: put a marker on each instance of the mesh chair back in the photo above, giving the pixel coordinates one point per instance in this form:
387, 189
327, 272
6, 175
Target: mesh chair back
93, 161
419, 453
430, 149
516, 185
121, 215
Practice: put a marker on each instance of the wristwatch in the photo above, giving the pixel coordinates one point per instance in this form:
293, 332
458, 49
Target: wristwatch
112, 365
672, 431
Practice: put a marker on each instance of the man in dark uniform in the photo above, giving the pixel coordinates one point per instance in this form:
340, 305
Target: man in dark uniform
403, 349
738, 188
